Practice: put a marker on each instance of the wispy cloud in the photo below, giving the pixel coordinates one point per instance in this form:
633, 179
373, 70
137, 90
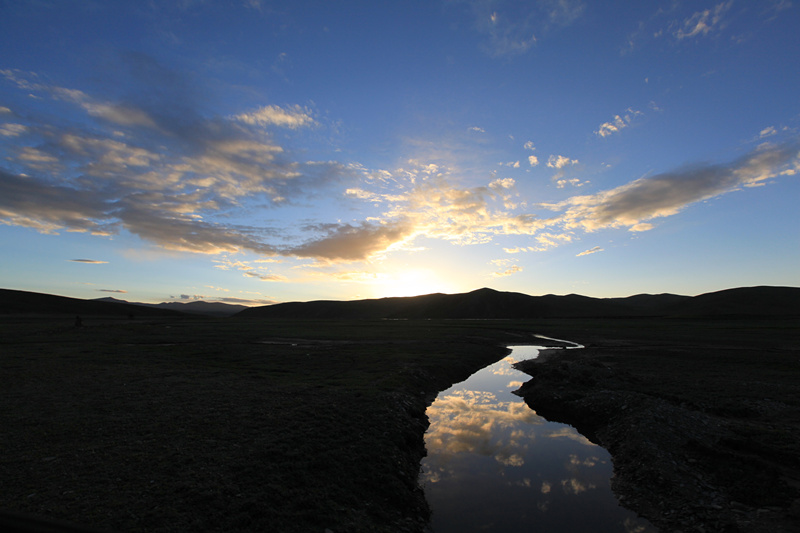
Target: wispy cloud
271, 115
117, 291
161, 169
508, 272
590, 251
512, 28
674, 21
10, 129
156, 167
617, 124
768, 132
635, 204
434, 208
702, 23
90, 261
265, 277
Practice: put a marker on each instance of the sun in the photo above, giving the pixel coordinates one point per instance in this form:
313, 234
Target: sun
411, 282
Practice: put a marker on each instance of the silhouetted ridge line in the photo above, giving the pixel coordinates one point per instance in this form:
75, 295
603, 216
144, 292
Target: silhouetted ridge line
34, 303
482, 303
488, 303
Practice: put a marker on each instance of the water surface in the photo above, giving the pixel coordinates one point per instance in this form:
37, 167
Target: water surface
493, 464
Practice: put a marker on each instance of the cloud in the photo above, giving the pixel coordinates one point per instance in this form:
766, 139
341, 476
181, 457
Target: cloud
266, 277
547, 240
573, 182
560, 161
10, 129
617, 124
154, 165
768, 132
435, 209
35, 204
188, 297
246, 301
529, 146
353, 242
292, 117
663, 195
533, 160
118, 291
179, 178
511, 28
502, 183
590, 251
701, 23
91, 261
508, 272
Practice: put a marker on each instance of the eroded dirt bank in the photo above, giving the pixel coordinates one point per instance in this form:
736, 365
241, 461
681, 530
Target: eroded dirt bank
702, 418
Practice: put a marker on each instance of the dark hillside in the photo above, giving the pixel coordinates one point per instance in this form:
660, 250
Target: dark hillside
33, 303
741, 302
198, 307
480, 304
491, 304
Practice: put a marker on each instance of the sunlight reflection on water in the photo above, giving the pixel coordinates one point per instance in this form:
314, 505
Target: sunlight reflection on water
494, 464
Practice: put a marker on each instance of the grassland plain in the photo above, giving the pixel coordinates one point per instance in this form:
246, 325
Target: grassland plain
178, 424
702, 417
165, 424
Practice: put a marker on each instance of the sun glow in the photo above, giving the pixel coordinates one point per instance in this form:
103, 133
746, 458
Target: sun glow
413, 282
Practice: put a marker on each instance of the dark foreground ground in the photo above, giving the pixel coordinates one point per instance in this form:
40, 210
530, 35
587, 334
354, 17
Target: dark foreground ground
227, 425
236, 425
702, 418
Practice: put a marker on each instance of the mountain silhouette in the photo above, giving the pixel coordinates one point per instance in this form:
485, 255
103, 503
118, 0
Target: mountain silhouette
479, 304
491, 304
197, 307
34, 303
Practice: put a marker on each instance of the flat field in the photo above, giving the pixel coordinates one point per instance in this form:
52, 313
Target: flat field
702, 417
293, 425
227, 424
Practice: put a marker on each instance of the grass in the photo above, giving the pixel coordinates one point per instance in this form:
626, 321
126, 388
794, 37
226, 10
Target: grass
227, 425
169, 425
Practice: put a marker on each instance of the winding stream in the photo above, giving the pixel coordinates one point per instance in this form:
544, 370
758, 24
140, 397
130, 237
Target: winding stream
493, 464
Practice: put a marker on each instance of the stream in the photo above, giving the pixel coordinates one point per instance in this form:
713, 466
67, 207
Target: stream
493, 464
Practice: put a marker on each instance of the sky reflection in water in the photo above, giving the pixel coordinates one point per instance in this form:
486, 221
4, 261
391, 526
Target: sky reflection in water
494, 464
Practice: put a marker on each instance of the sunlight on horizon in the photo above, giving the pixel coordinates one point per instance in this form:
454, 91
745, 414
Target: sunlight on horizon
414, 282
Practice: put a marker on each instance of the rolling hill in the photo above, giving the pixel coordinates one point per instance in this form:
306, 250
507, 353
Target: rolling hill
479, 304
14, 302
491, 304
198, 307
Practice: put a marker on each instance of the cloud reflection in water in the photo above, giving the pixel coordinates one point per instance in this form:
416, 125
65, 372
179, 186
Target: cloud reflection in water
494, 464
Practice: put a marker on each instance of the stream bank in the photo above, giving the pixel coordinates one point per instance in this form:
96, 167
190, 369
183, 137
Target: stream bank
702, 438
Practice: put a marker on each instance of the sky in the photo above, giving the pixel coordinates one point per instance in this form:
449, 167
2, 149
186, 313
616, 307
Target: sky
249, 151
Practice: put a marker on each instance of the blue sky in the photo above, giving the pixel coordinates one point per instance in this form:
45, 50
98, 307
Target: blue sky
257, 152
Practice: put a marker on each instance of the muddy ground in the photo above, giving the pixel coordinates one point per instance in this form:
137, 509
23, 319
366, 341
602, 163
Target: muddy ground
702, 418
